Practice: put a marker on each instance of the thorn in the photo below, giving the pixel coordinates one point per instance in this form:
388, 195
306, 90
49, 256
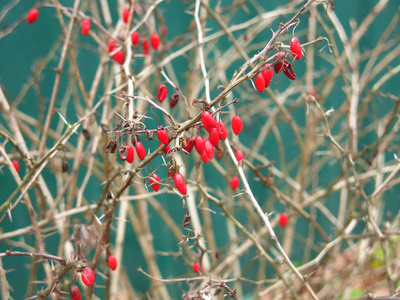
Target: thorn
9, 215
61, 116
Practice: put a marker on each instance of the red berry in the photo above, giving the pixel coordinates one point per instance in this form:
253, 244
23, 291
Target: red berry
119, 57
189, 145
288, 71
268, 74
33, 15
125, 15
214, 137
237, 125
205, 158
88, 276
259, 82
208, 120
85, 27
162, 92
283, 219
223, 133
155, 41
167, 149
75, 292
173, 100
278, 66
145, 46
162, 135
135, 37
196, 267
180, 183
126, 153
235, 183
209, 149
199, 144
295, 47
112, 262
140, 150
112, 45
153, 182
239, 155
15, 163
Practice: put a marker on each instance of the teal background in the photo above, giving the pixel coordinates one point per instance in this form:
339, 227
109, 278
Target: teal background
21, 50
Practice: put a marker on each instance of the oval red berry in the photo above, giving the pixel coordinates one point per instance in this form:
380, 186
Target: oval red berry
209, 149
130, 154
15, 163
135, 37
295, 47
239, 155
125, 15
196, 267
214, 137
259, 82
205, 158
235, 183
85, 27
155, 41
88, 276
119, 57
223, 133
140, 150
199, 144
112, 45
33, 15
189, 145
237, 125
268, 74
75, 292
283, 219
162, 92
112, 262
208, 120
180, 183
162, 135
154, 182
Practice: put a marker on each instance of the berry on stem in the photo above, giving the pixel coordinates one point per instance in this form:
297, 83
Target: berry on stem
125, 15
75, 292
33, 15
85, 27
239, 155
208, 120
88, 276
235, 183
112, 45
155, 41
154, 182
126, 153
15, 163
205, 158
140, 150
112, 262
214, 137
196, 267
180, 183
283, 219
268, 74
162, 92
295, 47
288, 71
278, 66
209, 149
167, 149
173, 100
259, 82
223, 133
189, 145
237, 125
135, 37
199, 144
162, 135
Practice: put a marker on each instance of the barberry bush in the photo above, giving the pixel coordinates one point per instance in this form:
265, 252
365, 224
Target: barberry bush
199, 149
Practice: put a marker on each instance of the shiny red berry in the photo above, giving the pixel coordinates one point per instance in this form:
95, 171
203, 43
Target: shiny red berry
259, 82
33, 15
135, 37
237, 125
189, 145
145, 46
278, 66
155, 41
167, 149
196, 267
85, 27
162, 92
288, 71
268, 74
125, 15
88, 276
214, 137
235, 183
112, 45
180, 183
75, 292
205, 158
154, 182
199, 144
15, 163
223, 133
283, 219
239, 155
209, 149
126, 153
118, 57
295, 47
208, 120
173, 101
112, 262
140, 150
162, 135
